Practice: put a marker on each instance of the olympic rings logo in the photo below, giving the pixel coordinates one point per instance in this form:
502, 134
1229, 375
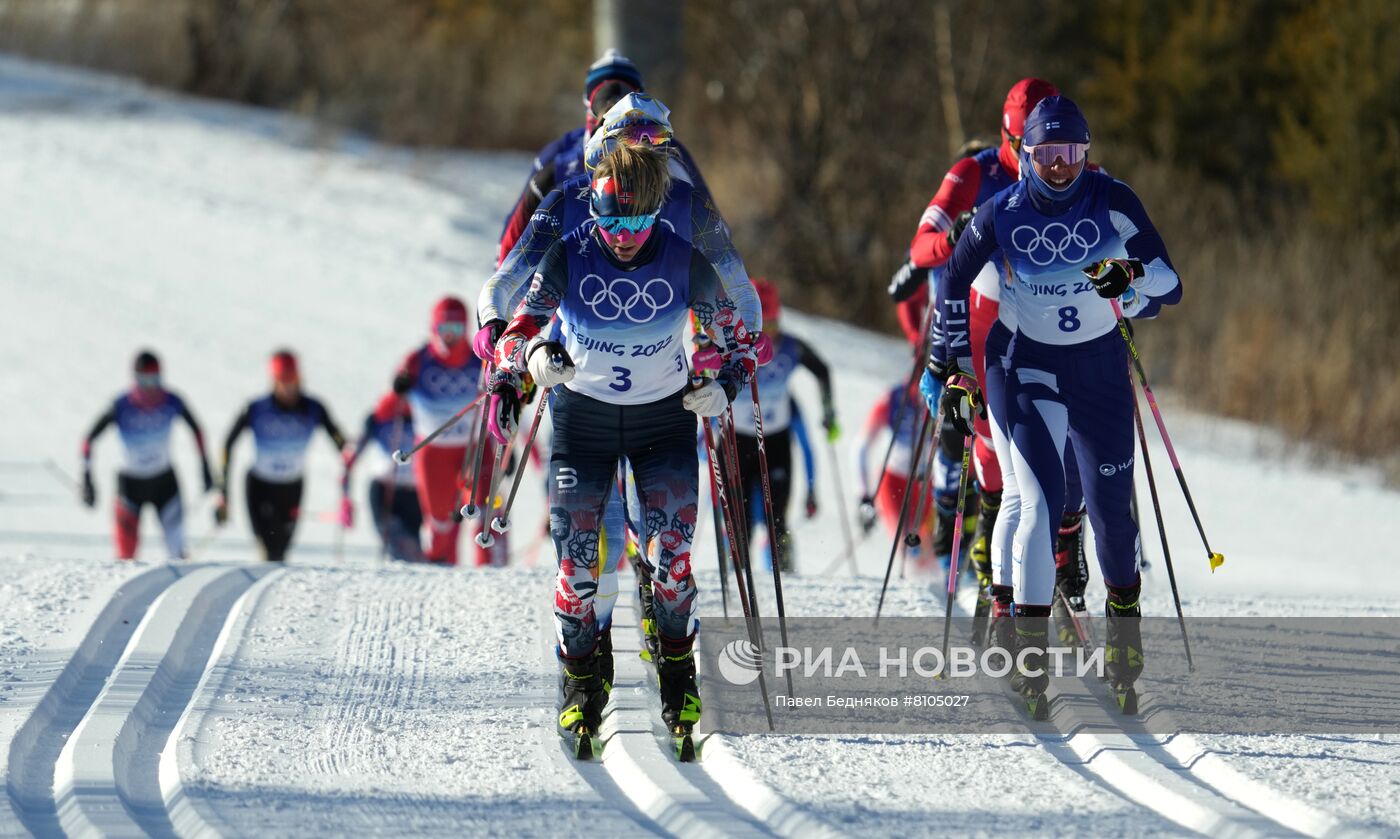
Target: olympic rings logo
441, 382
1057, 241
623, 297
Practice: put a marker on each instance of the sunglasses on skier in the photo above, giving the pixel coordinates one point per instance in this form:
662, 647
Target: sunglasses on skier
148, 381
632, 224
451, 329
1047, 153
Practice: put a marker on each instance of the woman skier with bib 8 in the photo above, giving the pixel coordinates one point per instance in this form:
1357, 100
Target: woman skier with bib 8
620, 388
1073, 241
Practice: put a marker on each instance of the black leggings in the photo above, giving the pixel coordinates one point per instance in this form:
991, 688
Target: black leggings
778, 445
273, 509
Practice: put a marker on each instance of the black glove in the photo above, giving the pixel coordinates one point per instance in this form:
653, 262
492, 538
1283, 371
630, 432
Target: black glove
89, 491
867, 514
961, 399
221, 510
208, 476
403, 383
1112, 276
811, 504
959, 225
906, 281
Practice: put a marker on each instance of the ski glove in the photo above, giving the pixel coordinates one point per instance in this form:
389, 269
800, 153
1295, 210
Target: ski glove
706, 360
959, 225
708, 399
89, 491
906, 281
484, 341
403, 383
833, 428
931, 388
549, 363
763, 349
503, 414
811, 504
1112, 276
347, 513
961, 398
221, 511
867, 514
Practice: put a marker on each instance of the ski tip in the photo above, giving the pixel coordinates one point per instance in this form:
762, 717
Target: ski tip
1127, 701
685, 748
585, 744
1039, 707
1216, 560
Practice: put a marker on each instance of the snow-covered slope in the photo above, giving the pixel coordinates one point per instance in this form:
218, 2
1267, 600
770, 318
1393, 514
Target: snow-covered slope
347, 696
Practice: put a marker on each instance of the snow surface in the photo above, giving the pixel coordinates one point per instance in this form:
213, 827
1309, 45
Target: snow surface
416, 701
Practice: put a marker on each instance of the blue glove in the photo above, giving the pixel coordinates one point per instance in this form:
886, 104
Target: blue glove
930, 388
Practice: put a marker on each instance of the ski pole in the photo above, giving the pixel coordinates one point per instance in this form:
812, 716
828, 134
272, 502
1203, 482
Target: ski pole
1215, 559
751, 622
841, 509
470, 509
955, 561
501, 522
402, 457
717, 515
1161, 529
775, 538
903, 516
737, 512
919, 358
57, 471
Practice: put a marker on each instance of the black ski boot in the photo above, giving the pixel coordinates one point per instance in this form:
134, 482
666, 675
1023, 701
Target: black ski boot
1071, 578
581, 701
981, 554
1123, 647
680, 696
1002, 630
604, 652
649, 637
943, 531
1031, 681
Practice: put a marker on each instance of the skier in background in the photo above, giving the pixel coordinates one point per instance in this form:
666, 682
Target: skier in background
774, 381
900, 403
393, 494
282, 424
438, 379
637, 404
144, 416
1072, 240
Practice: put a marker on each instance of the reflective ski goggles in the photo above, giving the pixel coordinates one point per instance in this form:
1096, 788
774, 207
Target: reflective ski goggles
1047, 153
451, 329
631, 224
148, 381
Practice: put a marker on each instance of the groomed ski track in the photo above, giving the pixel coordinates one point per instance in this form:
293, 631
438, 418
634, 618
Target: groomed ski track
714, 797
1173, 776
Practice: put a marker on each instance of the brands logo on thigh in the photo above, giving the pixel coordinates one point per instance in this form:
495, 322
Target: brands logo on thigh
625, 297
1057, 241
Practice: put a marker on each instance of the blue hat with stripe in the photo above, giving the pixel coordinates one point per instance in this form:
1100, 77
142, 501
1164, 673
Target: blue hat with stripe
612, 66
1055, 119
